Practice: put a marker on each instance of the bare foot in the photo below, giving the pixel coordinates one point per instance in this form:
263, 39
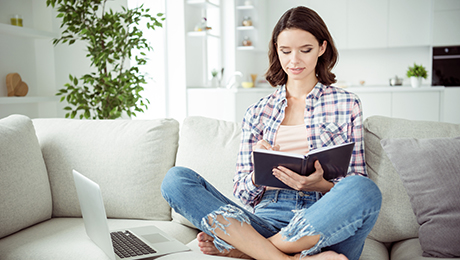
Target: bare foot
328, 255
205, 242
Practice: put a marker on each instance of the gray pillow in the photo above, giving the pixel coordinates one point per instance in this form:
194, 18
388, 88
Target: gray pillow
430, 172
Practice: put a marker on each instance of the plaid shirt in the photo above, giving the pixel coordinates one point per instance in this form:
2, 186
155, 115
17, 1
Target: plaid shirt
332, 116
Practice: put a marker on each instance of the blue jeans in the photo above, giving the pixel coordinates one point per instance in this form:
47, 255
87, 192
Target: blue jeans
343, 217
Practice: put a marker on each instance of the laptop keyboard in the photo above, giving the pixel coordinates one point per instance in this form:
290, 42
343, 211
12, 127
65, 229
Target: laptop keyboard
125, 244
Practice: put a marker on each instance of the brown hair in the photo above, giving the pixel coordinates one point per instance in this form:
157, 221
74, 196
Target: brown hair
308, 20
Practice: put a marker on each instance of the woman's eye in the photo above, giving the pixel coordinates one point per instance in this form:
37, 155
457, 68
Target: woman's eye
305, 51
285, 52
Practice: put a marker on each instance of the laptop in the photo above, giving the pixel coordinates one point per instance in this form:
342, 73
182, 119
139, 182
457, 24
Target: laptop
150, 240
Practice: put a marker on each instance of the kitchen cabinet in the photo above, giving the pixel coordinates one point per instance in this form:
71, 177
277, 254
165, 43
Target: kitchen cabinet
409, 23
446, 19
357, 24
418, 105
367, 24
28, 51
423, 103
376, 104
333, 13
451, 105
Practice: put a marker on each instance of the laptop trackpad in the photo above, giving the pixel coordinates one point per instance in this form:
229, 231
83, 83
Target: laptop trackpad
155, 238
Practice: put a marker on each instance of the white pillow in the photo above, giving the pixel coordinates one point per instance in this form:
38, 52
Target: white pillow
209, 147
25, 195
127, 158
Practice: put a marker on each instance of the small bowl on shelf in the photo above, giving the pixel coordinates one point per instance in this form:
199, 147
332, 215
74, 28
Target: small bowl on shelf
247, 84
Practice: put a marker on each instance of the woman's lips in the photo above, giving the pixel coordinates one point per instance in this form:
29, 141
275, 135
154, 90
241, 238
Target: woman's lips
296, 70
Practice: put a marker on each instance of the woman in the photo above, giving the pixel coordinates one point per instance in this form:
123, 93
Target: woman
318, 218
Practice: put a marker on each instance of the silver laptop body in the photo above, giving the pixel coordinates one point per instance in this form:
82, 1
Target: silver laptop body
95, 219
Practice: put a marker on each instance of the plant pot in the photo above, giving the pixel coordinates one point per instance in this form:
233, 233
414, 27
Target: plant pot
416, 82
214, 82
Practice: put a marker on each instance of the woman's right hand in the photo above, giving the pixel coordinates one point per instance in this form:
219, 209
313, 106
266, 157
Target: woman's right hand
262, 144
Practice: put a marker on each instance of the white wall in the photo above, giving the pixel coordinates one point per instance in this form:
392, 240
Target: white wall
377, 66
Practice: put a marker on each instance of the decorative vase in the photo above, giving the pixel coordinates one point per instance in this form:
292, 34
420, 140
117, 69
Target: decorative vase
416, 82
214, 82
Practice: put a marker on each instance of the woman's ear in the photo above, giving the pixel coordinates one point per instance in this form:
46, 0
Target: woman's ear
322, 48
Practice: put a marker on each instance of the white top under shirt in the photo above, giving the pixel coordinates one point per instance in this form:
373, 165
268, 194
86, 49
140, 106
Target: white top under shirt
292, 139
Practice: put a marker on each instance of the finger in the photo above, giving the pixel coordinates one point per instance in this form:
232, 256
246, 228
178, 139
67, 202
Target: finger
288, 172
318, 167
285, 175
262, 144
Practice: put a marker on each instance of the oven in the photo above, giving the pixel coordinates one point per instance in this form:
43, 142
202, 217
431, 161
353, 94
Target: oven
446, 66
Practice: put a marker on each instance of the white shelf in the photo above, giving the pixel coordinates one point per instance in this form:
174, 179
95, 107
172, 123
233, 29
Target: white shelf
202, 3
202, 34
245, 28
25, 100
245, 48
25, 32
245, 7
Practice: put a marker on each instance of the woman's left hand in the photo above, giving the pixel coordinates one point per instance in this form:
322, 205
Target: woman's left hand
313, 182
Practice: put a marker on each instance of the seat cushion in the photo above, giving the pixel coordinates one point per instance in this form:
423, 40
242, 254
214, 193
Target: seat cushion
396, 221
25, 195
374, 250
127, 158
65, 238
410, 249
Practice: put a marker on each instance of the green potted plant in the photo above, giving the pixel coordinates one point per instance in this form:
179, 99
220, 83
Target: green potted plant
416, 73
113, 87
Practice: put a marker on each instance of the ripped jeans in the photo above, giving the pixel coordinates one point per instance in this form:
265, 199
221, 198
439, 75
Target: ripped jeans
343, 217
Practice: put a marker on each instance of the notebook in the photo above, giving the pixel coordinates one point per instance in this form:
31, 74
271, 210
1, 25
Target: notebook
334, 160
151, 240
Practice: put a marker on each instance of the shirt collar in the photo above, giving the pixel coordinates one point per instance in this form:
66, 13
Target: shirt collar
316, 92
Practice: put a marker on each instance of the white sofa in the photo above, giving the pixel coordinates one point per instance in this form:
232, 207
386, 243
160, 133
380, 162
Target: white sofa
39, 211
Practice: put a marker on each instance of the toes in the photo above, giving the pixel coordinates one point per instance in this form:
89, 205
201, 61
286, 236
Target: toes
204, 237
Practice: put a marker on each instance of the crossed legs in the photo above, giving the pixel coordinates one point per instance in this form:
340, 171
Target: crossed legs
346, 216
251, 245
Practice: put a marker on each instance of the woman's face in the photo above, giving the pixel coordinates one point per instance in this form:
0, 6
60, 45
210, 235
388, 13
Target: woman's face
298, 52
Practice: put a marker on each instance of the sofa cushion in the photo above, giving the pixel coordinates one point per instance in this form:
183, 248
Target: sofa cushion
25, 195
396, 220
374, 250
65, 238
127, 158
410, 249
430, 171
210, 147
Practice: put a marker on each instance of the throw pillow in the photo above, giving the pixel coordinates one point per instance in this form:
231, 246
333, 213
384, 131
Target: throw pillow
25, 194
430, 172
127, 158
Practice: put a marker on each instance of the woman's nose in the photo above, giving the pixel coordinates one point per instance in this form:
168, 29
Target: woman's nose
294, 57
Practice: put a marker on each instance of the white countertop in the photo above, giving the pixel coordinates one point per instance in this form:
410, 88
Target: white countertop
383, 88
355, 89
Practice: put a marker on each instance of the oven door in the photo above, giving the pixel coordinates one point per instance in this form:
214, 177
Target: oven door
446, 66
